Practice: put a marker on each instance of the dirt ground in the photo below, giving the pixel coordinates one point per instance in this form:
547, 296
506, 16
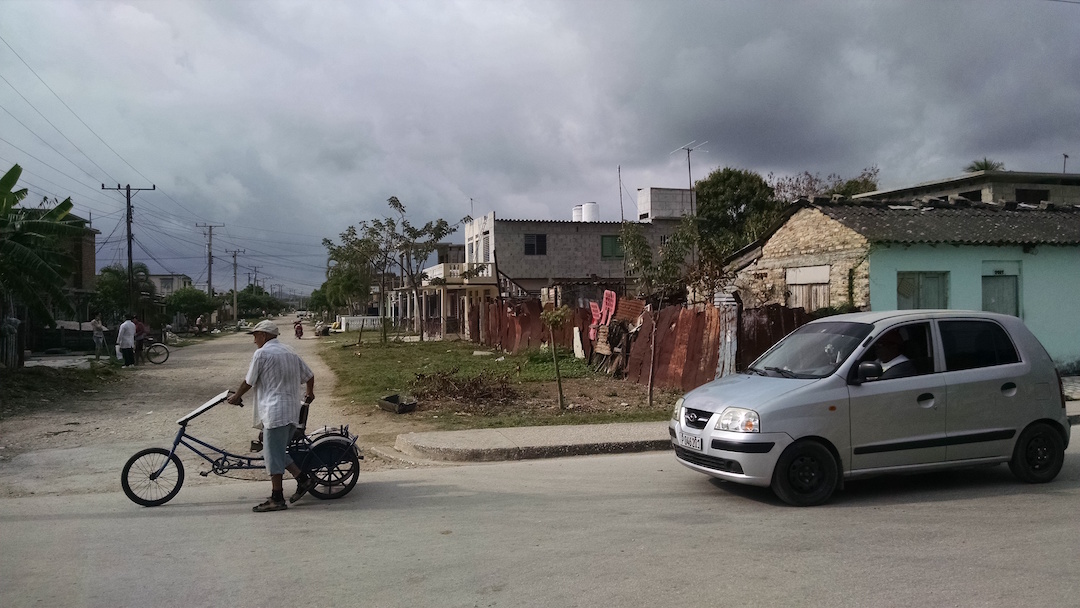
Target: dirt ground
80, 442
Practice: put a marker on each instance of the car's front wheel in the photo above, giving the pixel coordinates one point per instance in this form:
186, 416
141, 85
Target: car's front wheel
806, 474
1039, 454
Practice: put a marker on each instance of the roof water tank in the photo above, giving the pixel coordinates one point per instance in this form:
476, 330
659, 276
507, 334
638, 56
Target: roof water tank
590, 212
577, 213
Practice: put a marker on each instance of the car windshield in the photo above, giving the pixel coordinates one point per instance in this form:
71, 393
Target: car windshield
814, 350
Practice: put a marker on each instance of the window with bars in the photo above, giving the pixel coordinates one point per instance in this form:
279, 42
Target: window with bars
535, 244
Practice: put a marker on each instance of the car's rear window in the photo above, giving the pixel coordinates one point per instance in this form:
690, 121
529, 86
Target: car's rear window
974, 344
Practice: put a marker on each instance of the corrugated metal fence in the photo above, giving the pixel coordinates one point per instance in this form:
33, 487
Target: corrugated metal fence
693, 345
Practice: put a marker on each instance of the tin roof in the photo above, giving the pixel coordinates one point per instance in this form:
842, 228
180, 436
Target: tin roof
958, 222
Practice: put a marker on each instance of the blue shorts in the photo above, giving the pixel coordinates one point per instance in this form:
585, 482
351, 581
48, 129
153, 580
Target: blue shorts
275, 452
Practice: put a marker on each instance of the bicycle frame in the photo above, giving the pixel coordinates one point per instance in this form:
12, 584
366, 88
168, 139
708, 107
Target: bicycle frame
228, 461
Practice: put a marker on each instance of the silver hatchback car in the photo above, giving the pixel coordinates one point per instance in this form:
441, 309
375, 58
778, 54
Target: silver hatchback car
861, 394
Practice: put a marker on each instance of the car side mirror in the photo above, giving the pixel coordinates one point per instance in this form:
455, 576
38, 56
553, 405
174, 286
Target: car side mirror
868, 370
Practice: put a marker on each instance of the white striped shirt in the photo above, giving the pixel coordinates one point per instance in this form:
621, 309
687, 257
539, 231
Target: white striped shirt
276, 374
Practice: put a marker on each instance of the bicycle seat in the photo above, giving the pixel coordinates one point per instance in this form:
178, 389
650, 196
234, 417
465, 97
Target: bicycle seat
301, 427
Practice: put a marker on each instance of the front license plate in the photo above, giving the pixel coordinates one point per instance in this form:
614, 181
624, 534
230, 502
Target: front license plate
690, 441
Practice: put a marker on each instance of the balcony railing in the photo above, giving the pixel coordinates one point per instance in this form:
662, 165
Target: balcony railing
461, 274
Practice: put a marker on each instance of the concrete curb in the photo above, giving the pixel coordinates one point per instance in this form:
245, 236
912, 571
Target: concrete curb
523, 443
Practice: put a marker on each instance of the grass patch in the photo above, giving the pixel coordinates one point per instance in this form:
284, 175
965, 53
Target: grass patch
457, 389
373, 370
24, 389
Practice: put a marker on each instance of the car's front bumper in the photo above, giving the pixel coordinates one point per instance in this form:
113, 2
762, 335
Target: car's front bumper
747, 458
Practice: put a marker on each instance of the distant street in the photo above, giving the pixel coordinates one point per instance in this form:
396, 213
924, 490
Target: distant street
631, 530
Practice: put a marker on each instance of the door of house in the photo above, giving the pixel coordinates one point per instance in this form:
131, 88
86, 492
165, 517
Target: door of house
1000, 293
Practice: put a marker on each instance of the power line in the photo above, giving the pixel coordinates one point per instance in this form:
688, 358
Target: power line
51, 125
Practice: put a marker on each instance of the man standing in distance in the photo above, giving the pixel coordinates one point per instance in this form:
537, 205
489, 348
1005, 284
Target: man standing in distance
125, 339
276, 373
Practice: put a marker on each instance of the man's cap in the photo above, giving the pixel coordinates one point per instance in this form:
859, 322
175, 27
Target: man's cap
266, 326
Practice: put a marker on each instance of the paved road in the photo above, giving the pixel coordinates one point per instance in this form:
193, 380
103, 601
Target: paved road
627, 530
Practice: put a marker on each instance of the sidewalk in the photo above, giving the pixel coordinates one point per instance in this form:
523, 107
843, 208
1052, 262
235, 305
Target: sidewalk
521, 443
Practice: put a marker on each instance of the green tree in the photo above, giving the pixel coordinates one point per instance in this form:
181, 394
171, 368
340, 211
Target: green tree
111, 296
348, 270
190, 302
661, 276
33, 267
555, 319
734, 207
253, 300
382, 234
317, 301
984, 165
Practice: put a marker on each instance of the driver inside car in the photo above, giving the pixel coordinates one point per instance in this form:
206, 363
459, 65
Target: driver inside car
890, 354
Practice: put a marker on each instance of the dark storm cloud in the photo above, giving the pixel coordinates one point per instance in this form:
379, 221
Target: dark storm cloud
274, 117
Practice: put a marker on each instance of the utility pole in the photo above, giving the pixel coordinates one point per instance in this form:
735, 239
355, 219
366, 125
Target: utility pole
210, 257
132, 298
256, 282
235, 310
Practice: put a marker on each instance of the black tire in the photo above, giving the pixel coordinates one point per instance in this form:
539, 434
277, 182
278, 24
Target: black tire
1039, 454
157, 353
144, 490
806, 474
335, 467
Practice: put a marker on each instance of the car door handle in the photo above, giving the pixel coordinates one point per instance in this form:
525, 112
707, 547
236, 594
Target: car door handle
1008, 389
926, 400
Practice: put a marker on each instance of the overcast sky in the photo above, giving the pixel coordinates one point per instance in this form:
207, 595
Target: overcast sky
289, 121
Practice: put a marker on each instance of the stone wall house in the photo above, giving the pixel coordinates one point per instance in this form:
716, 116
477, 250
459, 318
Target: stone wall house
811, 261
1012, 258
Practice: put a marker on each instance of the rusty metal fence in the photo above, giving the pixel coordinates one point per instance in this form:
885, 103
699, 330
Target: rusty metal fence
692, 345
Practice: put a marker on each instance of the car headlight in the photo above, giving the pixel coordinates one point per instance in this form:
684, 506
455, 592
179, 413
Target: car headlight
740, 420
678, 408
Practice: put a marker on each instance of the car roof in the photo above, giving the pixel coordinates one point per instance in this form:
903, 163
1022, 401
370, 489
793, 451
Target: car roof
894, 316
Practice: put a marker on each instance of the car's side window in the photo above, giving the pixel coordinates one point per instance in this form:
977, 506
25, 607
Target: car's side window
903, 351
974, 344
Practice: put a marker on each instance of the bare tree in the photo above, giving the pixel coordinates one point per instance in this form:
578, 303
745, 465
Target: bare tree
414, 246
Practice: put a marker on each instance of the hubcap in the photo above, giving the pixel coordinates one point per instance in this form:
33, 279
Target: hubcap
1038, 452
805, 473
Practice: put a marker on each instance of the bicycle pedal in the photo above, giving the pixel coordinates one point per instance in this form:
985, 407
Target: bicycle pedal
256, 446
204, 473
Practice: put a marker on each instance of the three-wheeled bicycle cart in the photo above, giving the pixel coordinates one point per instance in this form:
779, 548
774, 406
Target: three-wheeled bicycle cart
153, 476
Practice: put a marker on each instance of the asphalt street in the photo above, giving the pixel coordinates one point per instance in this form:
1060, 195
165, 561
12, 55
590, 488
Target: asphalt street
614, 530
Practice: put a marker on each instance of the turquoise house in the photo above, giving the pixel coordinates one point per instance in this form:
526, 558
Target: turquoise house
1013, 258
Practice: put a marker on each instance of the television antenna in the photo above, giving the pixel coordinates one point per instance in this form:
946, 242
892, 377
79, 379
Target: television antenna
690, 147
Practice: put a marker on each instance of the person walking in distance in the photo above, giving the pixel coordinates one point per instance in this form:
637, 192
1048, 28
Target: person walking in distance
125, 339
276, 373
99, 336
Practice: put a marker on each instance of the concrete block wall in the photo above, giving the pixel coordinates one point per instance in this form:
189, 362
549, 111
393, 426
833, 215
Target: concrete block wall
809, 238
1059, 194
573, 248
663, 203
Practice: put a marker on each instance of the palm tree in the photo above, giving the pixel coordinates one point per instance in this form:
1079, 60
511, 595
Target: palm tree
984, 165
32, 267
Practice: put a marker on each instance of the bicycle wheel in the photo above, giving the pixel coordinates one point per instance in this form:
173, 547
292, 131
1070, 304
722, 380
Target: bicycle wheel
335, 467
157, 353
142, 486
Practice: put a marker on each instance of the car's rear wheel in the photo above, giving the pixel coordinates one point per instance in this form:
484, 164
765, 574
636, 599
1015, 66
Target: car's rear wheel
1039, 454
806, 474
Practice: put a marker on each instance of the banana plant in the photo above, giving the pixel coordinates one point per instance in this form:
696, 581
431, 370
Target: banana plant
33, 267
